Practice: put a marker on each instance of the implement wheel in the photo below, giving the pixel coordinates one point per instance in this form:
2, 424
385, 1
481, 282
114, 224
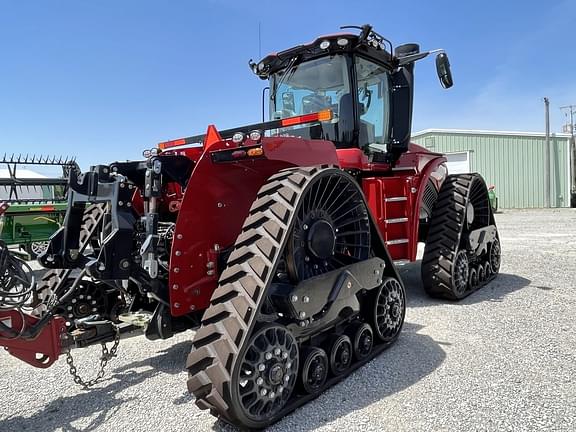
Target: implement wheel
35, 249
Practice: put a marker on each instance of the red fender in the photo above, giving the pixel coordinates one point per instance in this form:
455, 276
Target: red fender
216, 202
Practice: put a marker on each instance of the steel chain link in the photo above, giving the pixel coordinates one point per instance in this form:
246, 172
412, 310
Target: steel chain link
106, 356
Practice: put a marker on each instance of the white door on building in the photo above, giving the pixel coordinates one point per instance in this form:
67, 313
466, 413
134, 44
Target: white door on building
458, 162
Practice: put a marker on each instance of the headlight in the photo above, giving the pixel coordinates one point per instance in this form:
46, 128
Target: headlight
255, 135
238, 138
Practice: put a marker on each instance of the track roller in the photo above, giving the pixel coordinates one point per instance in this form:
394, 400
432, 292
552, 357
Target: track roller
481, 274
487, 271
314, 369
341, 351
473, 279
362, 340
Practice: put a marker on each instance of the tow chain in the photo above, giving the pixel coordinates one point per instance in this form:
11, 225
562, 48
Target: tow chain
106, 356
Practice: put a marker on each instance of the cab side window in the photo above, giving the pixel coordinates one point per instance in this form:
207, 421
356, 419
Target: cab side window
373, 104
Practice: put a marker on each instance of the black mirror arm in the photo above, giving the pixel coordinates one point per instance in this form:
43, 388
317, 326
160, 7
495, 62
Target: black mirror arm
418, 56
411, 58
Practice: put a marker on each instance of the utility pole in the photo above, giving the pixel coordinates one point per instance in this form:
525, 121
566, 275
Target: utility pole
570, 110
547, 154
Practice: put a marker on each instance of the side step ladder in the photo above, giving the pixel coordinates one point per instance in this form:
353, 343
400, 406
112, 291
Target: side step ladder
396, 217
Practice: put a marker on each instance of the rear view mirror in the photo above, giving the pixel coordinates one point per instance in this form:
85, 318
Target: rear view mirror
443, 70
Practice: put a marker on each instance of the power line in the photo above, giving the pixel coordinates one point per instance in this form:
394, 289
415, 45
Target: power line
571, 111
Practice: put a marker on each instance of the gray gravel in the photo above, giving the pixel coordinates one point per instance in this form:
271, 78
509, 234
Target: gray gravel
503, 359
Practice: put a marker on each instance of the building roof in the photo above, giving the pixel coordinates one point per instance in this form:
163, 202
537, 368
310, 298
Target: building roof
487, 132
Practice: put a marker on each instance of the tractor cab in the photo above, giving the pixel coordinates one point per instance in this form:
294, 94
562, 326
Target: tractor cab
368, 90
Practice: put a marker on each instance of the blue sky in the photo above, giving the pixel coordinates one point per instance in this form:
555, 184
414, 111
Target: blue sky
103, 80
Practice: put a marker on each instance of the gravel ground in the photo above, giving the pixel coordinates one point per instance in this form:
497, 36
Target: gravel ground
503, 359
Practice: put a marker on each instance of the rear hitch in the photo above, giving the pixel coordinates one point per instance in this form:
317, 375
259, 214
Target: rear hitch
41, 350
92, 330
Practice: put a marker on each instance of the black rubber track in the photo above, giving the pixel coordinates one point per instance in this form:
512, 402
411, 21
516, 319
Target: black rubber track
230, 318
445, 233
52, 279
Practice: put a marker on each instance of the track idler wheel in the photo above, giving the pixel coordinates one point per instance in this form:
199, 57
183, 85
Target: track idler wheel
388, 310
314, 370
266, 375
362, 340
340, 354
461, 273
494, 257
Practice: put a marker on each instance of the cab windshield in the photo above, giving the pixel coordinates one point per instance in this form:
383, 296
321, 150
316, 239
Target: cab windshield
311, 87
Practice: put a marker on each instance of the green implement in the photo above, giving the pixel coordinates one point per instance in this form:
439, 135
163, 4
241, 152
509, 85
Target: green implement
32, 205
30, 226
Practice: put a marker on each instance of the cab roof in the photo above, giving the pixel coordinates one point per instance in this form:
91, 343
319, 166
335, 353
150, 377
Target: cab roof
322, 46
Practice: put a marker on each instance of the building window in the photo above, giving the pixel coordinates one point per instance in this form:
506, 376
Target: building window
430, 143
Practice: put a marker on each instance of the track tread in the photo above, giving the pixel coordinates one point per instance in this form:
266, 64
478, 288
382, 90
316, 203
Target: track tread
445, 231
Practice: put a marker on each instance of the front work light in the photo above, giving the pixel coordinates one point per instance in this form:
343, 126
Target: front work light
238, 138
255, 135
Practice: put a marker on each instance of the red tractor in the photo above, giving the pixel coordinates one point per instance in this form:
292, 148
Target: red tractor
276, 241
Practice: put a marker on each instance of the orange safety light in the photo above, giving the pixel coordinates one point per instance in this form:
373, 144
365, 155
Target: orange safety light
324, 115
174, 143
212, 135
255, 152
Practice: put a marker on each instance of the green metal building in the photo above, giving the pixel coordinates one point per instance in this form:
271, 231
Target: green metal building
512, 161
